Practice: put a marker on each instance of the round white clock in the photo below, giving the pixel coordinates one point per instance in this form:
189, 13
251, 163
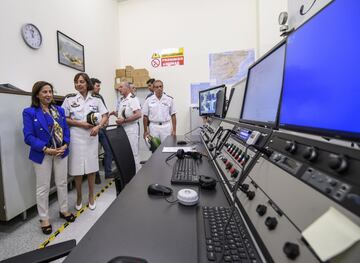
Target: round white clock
31, 35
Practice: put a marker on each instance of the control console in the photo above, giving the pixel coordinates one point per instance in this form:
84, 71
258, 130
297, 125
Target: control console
293, 187
235, 158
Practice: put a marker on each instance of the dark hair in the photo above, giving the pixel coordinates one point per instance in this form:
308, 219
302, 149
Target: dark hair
35, 102
86, 78
94, 81
150, 81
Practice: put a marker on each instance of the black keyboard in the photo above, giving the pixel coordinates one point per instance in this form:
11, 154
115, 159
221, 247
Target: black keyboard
184, 172
238, 244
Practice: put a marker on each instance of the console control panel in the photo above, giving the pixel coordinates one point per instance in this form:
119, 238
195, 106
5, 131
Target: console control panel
332, 170
235, 158
209, 130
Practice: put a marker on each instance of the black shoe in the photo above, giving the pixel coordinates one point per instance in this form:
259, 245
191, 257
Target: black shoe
46, 229
110, 176
97, 179
70, 218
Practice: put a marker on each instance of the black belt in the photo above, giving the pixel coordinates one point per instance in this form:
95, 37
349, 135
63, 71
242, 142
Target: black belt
160, 123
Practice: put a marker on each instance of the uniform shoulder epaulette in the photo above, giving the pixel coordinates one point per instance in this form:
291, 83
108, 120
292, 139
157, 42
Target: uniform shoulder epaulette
96, 95
149, 95
168, 95
132, 96
70, 95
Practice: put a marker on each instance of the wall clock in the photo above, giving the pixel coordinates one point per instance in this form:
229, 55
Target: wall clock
31, 35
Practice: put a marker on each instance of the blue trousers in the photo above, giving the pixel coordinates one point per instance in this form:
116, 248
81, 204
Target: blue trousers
107, 152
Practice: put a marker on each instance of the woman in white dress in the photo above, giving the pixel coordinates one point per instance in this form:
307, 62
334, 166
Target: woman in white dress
83, 156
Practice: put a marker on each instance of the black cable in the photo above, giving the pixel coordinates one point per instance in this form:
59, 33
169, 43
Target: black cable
170, 157
171, 201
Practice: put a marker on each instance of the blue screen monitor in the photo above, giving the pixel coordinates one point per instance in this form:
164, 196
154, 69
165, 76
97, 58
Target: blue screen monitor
212, 101
321, 91
263, 88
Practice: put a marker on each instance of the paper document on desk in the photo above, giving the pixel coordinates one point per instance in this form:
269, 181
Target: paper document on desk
175, 149
331, 234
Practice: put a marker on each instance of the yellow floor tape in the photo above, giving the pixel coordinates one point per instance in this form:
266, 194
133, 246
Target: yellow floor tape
57, 232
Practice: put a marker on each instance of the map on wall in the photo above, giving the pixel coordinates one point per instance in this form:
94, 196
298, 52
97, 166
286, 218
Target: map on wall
230, 67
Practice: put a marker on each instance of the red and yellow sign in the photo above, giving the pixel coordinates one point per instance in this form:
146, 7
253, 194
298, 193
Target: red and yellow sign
168, 57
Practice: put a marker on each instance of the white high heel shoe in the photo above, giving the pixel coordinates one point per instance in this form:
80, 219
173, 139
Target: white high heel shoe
78, 207
92, 206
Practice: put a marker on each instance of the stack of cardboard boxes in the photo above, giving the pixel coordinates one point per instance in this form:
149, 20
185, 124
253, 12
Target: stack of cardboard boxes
138, 77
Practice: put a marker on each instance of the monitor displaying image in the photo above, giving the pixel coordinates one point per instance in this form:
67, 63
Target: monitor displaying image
212, 101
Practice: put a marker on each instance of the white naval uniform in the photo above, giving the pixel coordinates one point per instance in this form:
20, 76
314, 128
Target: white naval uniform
125, 108
159, 112
83, 148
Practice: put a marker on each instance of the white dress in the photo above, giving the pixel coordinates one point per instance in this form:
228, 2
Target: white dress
83, 148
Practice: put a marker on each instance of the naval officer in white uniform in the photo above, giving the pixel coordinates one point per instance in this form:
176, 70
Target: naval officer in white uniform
159, 110
128, 111
83, 156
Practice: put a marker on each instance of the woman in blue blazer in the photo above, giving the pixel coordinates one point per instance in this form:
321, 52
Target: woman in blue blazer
47, 134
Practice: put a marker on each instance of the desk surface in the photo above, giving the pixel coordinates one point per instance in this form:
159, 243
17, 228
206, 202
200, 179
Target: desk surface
148, 227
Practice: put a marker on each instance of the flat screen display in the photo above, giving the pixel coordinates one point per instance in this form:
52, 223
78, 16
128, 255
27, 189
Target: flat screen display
212, 101
321, 88
263, 88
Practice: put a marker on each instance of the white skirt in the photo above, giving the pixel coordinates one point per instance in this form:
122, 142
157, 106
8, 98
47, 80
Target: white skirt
84, 152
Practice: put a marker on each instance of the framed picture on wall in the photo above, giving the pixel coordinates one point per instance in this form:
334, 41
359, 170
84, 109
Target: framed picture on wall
70, 52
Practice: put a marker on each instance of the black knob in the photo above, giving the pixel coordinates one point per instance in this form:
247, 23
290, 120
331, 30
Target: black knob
291, 250
290, 147
250, 195
310, 154
211, 147
261, 210
245, 186
338, 163
271, 222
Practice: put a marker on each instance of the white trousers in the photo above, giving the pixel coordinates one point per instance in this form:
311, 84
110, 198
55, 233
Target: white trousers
43, 175
160, 131
133, 134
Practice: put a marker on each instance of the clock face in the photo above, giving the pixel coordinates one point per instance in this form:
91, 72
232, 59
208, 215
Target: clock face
31, 35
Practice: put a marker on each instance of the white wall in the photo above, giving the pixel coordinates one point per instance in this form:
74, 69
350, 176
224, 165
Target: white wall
93, 23
201, 27
269, 29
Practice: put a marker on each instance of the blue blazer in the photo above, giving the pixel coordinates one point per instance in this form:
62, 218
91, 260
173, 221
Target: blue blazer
37, 134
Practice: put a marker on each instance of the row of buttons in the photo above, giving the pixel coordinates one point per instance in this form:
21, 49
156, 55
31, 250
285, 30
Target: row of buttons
237, 153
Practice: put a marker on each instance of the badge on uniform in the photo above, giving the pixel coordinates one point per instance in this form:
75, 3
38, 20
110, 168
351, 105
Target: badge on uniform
74, 105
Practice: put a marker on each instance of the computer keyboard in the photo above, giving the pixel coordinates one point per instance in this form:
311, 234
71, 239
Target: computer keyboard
238, 244
184, 172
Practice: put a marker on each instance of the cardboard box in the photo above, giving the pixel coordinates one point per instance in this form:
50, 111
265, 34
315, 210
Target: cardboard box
140, 84
141, 78
120, 73
129, 79
117, 80
130, 68
140, 72
125, 79
128, 73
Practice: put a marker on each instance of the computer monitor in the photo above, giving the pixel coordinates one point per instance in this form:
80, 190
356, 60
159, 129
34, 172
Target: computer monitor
263, 88
321, 88
235, 104
212, 101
